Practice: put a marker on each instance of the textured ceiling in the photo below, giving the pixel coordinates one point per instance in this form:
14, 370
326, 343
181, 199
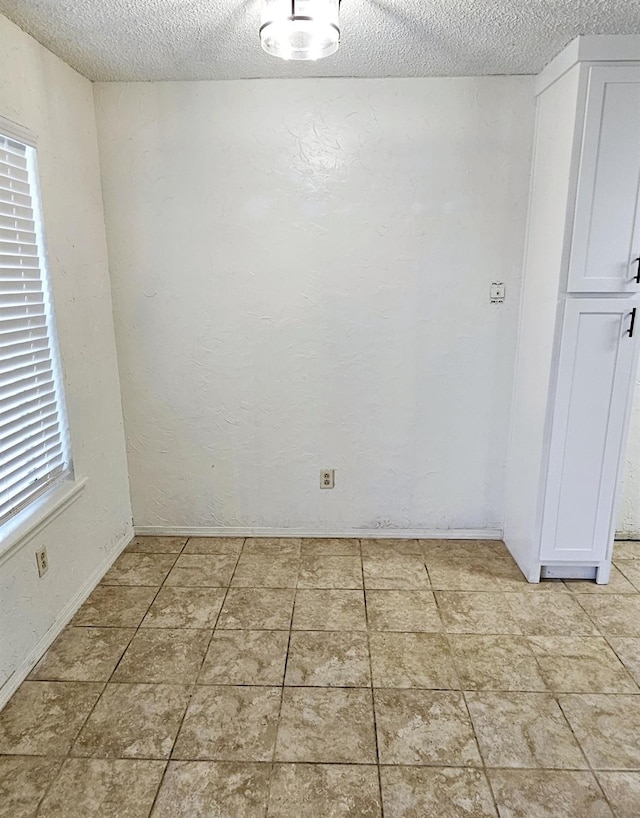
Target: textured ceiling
218, 39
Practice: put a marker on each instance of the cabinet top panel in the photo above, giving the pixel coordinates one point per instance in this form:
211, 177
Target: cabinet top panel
590, 48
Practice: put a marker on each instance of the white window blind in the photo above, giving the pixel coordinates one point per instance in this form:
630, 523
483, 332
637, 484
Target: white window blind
33, 440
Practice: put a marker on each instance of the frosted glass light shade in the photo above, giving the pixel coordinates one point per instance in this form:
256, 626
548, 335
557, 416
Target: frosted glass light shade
300, 29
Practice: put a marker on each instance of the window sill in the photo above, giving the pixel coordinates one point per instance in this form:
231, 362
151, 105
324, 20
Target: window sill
29, 523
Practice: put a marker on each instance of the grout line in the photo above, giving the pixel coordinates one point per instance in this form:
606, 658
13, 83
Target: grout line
447, 637
194, 686
373, 703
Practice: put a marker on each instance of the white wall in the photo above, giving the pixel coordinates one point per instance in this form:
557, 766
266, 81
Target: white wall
40, 92
301, 274
628, 526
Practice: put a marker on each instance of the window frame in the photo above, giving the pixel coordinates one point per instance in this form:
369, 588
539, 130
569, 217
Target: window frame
28, 517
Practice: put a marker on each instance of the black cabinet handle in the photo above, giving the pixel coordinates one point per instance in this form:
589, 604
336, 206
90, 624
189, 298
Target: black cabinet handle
637, 261
629, 332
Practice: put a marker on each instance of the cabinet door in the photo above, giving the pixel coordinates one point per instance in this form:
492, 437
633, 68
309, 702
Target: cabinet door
595, 377
606, 229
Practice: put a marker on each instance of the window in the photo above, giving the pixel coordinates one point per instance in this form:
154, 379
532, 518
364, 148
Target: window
34, 450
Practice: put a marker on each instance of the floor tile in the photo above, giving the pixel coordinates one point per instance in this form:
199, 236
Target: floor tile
618, 584
329, 611
424, 727
330, 572
548, 794
410, 611
133, 721
269, 571
328, 659
214, 545
280, 546
395, 573
23, 782
626, 550
324, 790
509, 578
245, 658
459, 549
418, 660
474, 612
330, 547
83, 655
230, 724
326, 725
614, 614
446, 792
163, 655
43, 718
156, 545
213, 789
546, 614
209, 570
390, 547
628, 650
461, 574
101, 788
113, 606
139, 569
623, 792
257, 608
573, 664
488, 662
607, 727
630, 569
185, 608
523, 730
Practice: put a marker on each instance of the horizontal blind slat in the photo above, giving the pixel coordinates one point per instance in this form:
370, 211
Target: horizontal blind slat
16, 387
21, 285
40, 392
10, 211
24, 314
22, 371
26, 358
18, 261
16, 223
19, 501
22, 346
13, 234
10, 326
18, 248
21, 456
29, 473
28, 409
24, 426
24, 445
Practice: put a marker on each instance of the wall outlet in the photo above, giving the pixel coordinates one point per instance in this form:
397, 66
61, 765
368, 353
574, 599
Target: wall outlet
42, 561
327, 478
497, 292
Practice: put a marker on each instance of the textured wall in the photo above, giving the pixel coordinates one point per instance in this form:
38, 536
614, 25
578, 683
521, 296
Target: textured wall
301, 275
43, 94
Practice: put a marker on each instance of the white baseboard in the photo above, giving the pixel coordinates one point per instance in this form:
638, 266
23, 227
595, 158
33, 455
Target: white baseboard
64, 617
364, 533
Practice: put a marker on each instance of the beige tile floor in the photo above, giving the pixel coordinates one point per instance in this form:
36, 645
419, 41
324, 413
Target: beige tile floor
336, 679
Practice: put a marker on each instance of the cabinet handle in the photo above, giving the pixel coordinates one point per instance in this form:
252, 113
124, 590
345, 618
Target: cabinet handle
637, 261
629, 332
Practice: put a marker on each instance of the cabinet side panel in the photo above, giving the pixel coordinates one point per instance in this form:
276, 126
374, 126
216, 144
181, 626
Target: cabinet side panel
550, 186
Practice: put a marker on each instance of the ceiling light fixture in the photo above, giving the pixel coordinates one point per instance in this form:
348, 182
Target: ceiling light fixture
300, 29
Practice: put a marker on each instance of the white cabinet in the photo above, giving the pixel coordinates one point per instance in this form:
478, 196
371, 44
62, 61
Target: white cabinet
576, 361
605, 245
595, 376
